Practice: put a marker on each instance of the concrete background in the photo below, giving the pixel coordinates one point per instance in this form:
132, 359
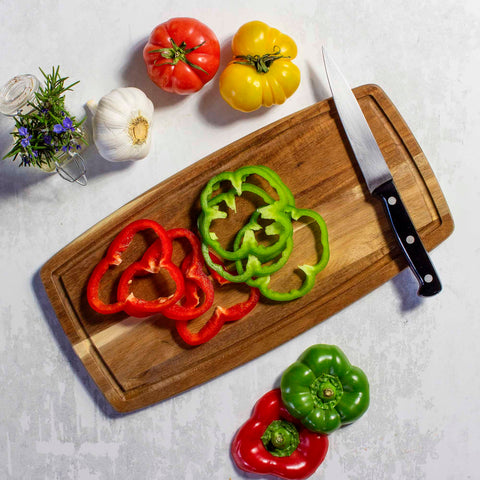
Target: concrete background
421, 355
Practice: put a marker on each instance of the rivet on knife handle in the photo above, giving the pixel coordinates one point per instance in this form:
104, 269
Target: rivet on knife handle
408, 239
378, 177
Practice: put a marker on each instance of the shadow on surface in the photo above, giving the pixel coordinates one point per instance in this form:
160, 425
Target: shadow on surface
135, 75
320, 88
14, 178
68, 352
96, 164
407, 287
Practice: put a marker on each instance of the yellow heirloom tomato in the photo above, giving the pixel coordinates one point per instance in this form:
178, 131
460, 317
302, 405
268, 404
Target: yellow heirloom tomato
261, 72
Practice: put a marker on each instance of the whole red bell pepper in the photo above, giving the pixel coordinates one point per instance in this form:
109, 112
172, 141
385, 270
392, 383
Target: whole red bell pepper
272, 442
159, 258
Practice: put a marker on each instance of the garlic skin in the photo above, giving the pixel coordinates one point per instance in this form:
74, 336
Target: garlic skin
122, 124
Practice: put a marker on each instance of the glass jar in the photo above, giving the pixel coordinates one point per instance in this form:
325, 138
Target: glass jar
17, 95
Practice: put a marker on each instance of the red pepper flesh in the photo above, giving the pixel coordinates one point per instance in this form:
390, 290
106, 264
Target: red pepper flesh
158, 260
192, 268
220, 315
251, 455
216, 321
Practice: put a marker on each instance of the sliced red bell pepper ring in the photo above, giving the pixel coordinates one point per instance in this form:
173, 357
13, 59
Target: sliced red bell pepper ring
191, 298
113, 257
220, 315
192, 269
215, 275
272, 442
217, 320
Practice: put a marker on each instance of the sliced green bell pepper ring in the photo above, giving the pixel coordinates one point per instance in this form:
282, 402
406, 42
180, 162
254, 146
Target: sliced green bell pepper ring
230, 196
323, 390
281, 226
160, 259
253, 266
310, 271
219, 316
215, 275
238, 178
272, 211
272, 442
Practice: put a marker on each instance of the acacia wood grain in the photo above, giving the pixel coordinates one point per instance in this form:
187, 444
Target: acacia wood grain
137, 362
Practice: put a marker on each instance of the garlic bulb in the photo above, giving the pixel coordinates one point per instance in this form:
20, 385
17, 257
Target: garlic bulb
122, 124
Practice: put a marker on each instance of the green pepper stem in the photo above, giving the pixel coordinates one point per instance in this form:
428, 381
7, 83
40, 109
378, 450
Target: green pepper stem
328, 393
326, 390
281, 438
261, 63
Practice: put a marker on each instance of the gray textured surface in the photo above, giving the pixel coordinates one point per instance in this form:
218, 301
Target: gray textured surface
421, 355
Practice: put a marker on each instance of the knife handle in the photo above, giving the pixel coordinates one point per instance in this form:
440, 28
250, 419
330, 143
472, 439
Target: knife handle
408, 239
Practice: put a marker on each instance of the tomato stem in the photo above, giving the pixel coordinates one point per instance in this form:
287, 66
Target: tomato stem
261, 63
177, 53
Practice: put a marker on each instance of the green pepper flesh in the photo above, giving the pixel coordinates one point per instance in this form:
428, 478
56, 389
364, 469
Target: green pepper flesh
323, 390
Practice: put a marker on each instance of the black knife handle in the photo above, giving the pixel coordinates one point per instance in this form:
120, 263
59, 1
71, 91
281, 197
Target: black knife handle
408, 239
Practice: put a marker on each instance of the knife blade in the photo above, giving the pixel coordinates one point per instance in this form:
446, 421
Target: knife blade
379, 180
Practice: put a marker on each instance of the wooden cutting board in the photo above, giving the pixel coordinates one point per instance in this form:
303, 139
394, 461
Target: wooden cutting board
137, 362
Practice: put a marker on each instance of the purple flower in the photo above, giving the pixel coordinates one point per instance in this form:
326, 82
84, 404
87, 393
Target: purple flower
65, 148
23, 131
26, 141
35, 154
68, 124
47, 140
57, 128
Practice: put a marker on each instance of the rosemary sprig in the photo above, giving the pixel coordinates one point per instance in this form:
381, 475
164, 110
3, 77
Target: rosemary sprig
48, 128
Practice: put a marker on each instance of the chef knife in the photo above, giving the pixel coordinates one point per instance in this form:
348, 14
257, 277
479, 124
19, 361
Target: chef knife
379, 179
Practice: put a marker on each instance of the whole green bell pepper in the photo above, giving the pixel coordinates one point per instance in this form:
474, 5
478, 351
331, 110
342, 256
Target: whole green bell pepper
323, 390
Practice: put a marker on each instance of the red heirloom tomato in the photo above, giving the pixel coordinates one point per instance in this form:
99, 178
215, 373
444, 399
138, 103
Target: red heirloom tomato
182, 55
